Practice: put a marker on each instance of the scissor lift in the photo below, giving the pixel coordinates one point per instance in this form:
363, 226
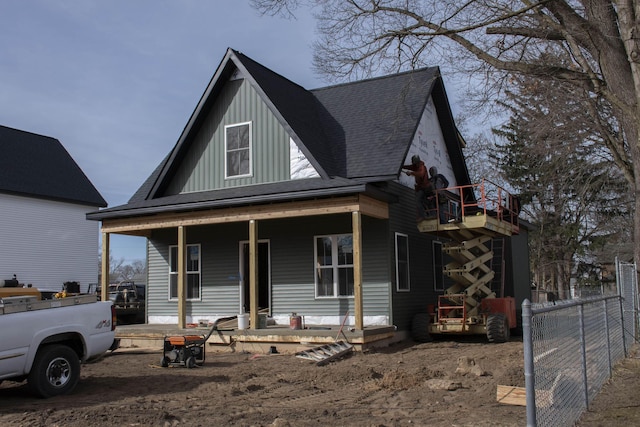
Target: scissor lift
471, 216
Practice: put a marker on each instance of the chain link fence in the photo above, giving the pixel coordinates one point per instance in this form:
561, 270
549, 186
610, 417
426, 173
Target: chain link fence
570, 348
626, 274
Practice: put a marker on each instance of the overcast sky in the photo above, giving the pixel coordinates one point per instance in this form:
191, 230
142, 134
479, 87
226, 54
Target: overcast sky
116, 81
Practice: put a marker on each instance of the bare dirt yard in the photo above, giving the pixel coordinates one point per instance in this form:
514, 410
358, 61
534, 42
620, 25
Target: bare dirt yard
442, 383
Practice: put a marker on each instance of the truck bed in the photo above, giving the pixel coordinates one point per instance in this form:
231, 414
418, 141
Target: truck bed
19, 304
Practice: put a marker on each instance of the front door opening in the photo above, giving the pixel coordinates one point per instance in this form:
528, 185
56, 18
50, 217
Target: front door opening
264, 276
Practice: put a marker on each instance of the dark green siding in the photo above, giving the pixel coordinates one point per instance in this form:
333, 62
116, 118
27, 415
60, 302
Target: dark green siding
292, 261
203, 167
402, 219
292, 267
518, 272
219, 270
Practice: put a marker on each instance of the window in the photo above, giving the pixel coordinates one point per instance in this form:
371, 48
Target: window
438, 272
334, 266
238, 150
402, 262
193, 272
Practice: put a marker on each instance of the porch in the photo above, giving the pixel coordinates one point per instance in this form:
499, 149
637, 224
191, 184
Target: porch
228, 338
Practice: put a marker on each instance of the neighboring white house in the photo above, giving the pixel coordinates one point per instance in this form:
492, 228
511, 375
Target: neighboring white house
45, 238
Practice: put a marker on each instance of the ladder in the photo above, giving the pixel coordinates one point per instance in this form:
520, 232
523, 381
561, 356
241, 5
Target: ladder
326, 353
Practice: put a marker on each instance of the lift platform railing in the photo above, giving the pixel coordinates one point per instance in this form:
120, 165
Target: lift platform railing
483, 198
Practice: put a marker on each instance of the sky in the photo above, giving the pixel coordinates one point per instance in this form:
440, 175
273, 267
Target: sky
116, 81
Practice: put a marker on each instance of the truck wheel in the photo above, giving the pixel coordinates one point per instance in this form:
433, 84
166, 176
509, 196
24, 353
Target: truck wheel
498, 328
55, 371
420, 327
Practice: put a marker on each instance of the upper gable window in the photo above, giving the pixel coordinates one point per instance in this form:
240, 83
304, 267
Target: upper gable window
237, 150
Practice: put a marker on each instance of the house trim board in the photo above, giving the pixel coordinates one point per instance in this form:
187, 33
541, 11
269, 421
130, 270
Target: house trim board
357, 203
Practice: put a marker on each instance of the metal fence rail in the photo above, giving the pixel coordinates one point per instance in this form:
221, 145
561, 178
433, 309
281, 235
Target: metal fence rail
570, 348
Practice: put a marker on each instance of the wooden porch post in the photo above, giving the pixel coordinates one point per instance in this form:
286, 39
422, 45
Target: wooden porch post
356, 220
182, 276
253, 274
104, 282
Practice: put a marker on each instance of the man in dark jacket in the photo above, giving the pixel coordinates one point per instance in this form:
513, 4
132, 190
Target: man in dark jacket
439, 182
423, 186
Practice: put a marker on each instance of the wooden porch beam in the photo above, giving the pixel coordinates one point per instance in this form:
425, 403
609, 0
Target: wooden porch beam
104, 280
356, 219
182, 276
364, 204
253, 274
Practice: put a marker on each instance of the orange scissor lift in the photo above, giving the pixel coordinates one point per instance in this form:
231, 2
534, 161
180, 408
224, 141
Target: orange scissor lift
471, 217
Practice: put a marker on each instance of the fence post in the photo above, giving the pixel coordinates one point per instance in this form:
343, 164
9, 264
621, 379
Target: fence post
606, 328
624, 329
583, 350
529, 376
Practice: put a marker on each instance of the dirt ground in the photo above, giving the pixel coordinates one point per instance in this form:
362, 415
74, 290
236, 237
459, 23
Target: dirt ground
442, 383
618, 403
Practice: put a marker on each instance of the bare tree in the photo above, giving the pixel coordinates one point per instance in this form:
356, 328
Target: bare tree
593, 45
569, 186
119, 270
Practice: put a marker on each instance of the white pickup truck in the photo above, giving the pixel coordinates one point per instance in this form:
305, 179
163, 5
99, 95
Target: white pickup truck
44, 341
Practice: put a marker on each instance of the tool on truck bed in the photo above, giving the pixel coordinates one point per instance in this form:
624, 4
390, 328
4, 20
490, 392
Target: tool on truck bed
187, 350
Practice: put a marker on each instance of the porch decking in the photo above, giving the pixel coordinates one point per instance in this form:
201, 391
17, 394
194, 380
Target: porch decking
228, 338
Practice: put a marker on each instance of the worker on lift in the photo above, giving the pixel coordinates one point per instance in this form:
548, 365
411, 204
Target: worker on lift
425, 196
439, 182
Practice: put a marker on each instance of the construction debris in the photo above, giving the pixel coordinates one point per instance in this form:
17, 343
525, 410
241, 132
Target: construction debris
326, 353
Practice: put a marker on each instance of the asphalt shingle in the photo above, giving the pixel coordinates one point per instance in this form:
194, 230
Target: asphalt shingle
39, 166
354, 133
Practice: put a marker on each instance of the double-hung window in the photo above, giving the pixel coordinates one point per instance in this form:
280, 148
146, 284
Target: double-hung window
402, 262
334, 266
237, 142
193, 272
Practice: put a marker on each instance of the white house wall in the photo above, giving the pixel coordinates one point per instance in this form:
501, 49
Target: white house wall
46, 243
428, 143
299, 165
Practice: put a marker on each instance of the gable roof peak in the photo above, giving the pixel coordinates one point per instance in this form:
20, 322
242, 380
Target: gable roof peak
435, 71
244, 61
35, 165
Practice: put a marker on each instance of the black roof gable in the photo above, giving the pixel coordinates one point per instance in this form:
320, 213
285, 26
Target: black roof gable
39, 166
304, 117
372, 122
352, 133
295, 107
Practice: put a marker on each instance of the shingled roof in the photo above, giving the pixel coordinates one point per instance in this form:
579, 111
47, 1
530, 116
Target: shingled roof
39, 166
354, 134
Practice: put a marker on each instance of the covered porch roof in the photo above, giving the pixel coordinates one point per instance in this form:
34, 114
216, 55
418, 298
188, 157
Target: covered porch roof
144, 221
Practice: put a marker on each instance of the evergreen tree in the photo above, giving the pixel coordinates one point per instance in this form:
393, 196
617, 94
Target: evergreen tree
570, 188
